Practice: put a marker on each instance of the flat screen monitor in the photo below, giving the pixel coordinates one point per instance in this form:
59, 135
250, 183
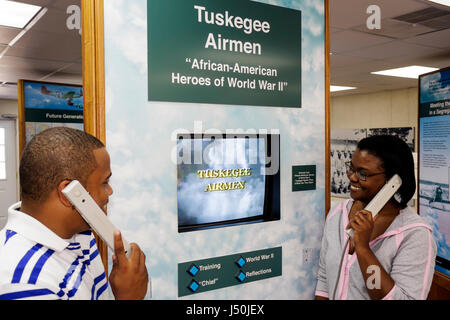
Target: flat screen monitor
226, 180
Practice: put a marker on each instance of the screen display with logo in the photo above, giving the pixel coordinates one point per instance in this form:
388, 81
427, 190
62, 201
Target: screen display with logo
227, 180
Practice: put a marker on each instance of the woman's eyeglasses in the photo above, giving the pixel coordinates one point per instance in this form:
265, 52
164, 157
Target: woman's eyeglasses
361, 176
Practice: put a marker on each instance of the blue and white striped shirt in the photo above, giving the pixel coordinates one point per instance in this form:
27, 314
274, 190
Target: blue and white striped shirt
35, 263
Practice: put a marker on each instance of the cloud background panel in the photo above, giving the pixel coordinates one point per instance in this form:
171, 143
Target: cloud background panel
141, 141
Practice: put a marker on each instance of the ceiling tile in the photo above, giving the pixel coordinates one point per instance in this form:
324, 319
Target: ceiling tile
335, 30
343, 17
396, 29
41, 3
438, 39
341, 60
393, 49
352, 13
351, 40
64, 78
73, 68
54, 21
9, 64
438, 23
41, 45
438, 60
13, 76
7, 34
63, 4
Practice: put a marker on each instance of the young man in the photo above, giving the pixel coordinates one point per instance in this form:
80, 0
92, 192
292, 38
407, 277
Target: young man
47, 250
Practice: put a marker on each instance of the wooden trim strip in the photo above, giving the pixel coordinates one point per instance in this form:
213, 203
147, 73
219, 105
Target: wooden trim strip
21, 116
93, 56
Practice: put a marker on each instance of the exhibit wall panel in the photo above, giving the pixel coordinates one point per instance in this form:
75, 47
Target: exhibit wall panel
141, 136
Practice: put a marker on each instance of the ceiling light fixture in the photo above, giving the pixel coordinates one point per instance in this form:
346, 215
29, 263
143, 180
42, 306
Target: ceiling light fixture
443, 2
412, 72
340, 88
29, 24
16, 14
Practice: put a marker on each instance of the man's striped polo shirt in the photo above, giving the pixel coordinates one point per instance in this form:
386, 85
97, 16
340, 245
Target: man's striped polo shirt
35, 263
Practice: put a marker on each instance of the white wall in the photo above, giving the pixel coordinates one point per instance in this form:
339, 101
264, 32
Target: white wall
10, 107
386, 109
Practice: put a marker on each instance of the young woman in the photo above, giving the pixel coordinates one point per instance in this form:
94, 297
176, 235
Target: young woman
391, 256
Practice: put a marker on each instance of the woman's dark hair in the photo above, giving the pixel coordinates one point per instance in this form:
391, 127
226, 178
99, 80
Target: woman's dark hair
396, 158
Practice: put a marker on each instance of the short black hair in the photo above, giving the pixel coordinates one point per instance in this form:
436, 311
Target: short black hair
396, 158
55, 155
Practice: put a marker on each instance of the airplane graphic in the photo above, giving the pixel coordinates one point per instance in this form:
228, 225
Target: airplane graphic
69, 96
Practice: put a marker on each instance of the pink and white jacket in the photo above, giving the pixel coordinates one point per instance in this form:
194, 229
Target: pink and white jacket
406, 250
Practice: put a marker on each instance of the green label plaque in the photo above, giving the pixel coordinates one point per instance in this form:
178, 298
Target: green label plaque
304, 178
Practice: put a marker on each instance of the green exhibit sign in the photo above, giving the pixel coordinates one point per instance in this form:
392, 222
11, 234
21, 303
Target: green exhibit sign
220, 272
303, 178
224, 52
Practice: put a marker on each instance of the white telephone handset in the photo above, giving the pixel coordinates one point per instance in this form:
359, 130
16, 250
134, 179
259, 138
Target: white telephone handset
92, 214
381, 198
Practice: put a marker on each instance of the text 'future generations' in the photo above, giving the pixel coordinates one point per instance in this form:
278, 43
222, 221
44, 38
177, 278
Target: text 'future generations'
247, 25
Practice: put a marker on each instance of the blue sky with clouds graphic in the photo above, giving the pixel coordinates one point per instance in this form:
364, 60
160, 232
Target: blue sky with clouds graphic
434, 87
